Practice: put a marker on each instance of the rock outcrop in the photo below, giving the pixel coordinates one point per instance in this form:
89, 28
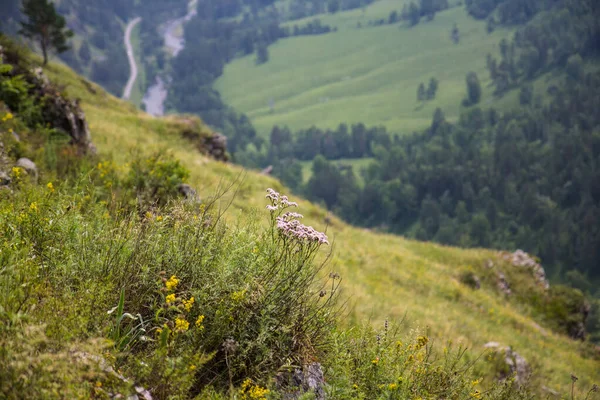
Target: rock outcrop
521, 259
62, 113
296, 384
212, 144
509, 363
57, 111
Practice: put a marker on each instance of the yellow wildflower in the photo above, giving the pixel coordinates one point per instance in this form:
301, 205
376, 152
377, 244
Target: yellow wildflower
258, 393
33, 207
476, 394
187, 304
192, 367
375, 361
7, 117
393, 386
355, 386
50, 187
170, 298
475, 382
238, 296
98, 384
181, 325
422, 341
159, 218
172, 283
199, 322
16, 172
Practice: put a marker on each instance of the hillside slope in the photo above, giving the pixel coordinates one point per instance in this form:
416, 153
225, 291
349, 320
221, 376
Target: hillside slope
384, 276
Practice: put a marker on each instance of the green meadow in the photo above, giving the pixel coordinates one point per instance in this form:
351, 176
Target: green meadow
367, 74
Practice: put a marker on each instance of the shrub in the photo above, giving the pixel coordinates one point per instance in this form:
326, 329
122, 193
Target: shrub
155, 179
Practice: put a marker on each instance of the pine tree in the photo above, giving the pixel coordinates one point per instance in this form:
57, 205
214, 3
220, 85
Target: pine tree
45, 26
262, 54
414, 14
473, 89
421, 94
432, 89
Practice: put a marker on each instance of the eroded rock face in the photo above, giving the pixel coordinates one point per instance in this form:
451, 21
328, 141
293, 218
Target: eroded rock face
62, 113
213, 145
521, 259
298, 383
509, 363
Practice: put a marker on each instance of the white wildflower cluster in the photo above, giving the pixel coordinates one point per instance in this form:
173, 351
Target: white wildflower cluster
278, 202
288, 223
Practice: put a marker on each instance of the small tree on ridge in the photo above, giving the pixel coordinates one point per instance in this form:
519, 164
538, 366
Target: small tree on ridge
45, 26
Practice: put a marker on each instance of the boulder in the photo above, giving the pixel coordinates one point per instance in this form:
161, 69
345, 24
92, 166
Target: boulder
4, 179
187, 192
509, 363
29, 166
297, 383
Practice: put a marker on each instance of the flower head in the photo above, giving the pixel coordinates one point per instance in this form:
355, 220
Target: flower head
50, 187
187, 304
172, 283
199, 322
181, 325
170, 298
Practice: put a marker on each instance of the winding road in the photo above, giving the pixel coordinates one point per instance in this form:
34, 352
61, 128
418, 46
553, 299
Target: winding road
130, 54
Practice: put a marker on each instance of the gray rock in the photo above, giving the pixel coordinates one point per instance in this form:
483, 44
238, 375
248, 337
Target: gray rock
512, 364
521, 259
503, 284
4, 179
187, 192
310, 379
29, 166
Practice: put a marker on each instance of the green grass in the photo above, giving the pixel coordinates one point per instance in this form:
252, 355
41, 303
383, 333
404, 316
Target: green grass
367, 75
356, 163
384, 276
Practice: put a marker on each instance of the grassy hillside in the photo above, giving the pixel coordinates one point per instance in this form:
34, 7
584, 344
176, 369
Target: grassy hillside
367, 75
384, 276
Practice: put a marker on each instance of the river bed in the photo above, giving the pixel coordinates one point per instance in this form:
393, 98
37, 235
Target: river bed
172, 32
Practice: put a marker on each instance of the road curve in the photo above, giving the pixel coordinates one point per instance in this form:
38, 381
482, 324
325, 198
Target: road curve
132, 65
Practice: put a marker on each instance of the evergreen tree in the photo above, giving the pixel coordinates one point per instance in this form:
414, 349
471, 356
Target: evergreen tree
262, 54
432, 89
414, 14
45, 26
455, 35
421, 94
473, 89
